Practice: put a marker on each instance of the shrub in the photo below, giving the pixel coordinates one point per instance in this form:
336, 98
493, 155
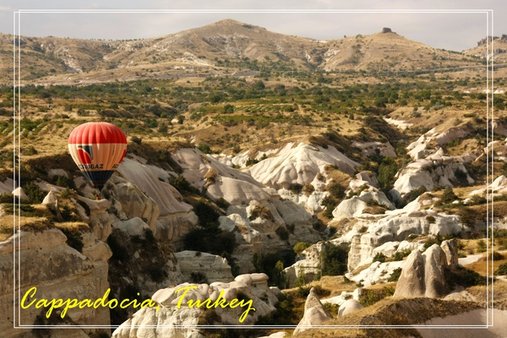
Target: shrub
300, 247
332, 309
74, 239
464, 277
205, 148
412, 195
30, 150
448, 196
395, 275
208, 216
468, 216
320, 291
371, 296
282, 233
198, 277
6, 198
380, 257
137, 140
272, 264
329, 203
432, 240
308, 189
502, 270
32, 190
211, 240
229, 108
336, 190
386, 172
334, 259
399, 255
296, 188
118, 248
63, 181
157, 273
182, 185
481, 246
477, 199
497, 256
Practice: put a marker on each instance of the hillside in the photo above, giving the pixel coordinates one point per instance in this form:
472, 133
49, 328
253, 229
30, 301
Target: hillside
224, 47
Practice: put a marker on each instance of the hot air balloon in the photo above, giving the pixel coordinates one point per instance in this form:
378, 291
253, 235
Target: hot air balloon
97, 148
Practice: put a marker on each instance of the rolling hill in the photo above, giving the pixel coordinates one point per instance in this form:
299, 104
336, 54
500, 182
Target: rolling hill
219, 48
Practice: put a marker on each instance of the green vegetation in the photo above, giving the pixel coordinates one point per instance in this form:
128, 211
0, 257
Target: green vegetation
272, 264
371, 296
334, 259
502, 270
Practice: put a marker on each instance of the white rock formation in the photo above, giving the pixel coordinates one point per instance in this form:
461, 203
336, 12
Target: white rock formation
133, 227
20, 194
51, 199
299, 163
54, 172
159, 203
375, 148
167, 321
423, 275
376, 273
236, 191
343, 297
433, 172
397, 225
202, 170
58, 271
213, 267
314, 314
497, 188
6, 186
352, 207
403, 125
418, 149
348, 307
307, 268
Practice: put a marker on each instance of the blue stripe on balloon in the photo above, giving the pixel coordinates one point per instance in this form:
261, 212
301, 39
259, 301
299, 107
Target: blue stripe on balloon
98, 178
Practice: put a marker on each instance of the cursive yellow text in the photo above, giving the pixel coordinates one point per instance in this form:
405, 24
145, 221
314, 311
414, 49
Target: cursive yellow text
29, 300
208, 303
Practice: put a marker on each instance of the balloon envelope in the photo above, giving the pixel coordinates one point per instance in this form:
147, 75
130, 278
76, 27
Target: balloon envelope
97, 148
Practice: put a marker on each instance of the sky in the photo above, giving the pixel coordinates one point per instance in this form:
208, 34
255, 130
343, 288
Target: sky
456, 31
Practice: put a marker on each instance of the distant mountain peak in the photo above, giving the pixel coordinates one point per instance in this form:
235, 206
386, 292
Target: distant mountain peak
228, 22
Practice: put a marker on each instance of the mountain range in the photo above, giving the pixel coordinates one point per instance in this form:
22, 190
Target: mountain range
221, 47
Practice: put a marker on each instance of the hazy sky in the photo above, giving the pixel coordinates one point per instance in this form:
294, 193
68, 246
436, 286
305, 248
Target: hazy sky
450, 31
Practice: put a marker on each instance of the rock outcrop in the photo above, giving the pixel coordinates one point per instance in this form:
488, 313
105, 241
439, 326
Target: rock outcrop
436, 171
306, 269
348, 307
315, 314
398, 225
299, 163
6, 186
144, 191
167, 321
423, 274
194, 264
58, 271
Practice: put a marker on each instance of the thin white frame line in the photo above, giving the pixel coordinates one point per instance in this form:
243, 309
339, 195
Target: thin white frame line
251, 11
418, 326
14, 166
492, 166
19, 12
19, 159
487, 166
